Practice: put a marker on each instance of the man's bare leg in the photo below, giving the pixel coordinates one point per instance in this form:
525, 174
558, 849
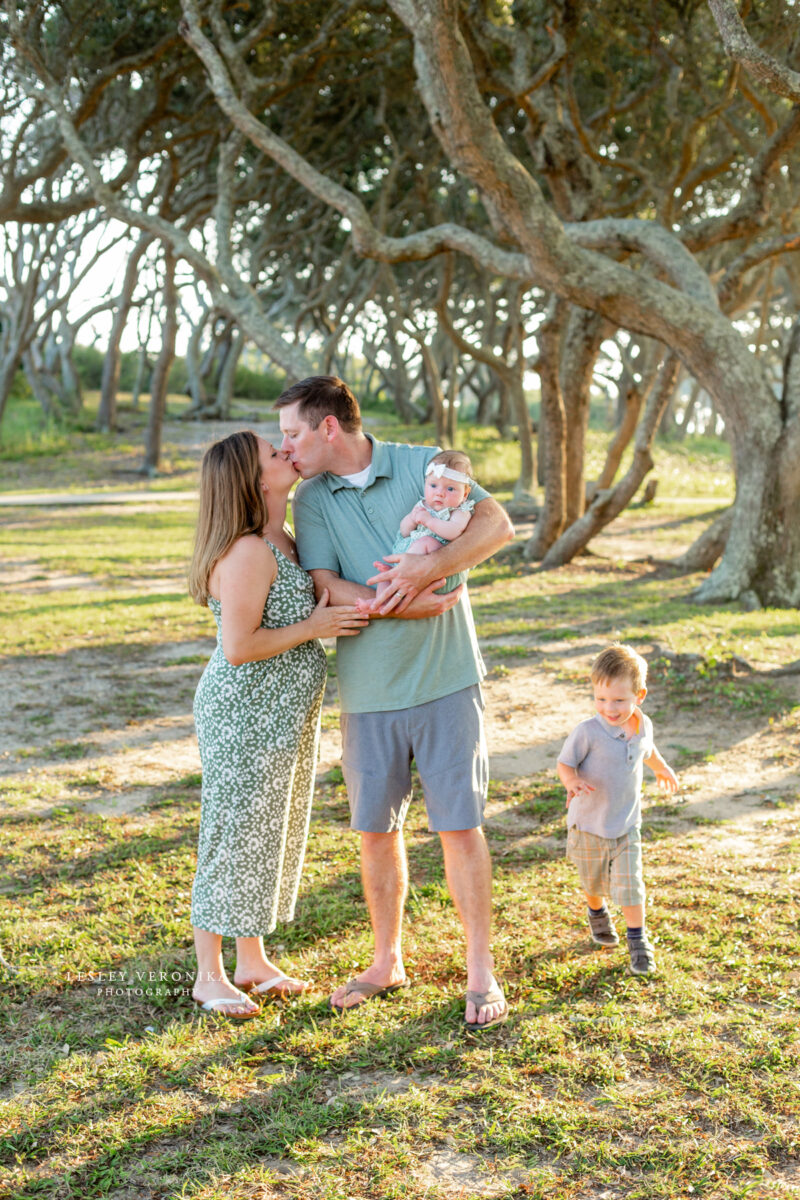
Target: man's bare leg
469, 877
384, 874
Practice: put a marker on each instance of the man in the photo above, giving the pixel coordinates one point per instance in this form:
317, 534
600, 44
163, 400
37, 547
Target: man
408, 684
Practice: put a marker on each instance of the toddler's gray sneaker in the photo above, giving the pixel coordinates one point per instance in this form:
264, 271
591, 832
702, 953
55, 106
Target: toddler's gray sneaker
643, 959
602, 928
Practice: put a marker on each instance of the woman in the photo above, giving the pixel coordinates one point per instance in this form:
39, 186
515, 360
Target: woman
257, 711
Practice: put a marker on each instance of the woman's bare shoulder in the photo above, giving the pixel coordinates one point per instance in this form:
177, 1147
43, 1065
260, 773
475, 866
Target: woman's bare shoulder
249, 559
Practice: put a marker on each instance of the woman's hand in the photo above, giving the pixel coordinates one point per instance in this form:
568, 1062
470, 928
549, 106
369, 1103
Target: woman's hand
336, 620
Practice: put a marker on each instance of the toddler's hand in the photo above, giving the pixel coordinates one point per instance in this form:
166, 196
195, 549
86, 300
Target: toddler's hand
578, 787
667, 779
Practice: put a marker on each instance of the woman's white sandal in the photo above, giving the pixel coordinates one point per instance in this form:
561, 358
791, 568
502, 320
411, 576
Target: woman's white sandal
272, 989
218, 1006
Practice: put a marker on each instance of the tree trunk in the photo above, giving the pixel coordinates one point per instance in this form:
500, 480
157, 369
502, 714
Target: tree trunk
194, 378
38, 386
525, 487
158, 386
227, 375
706, 550
8, 370
451, 413
768, 503
553, 426
609, 504
435, 394
633, 394
515, 385
107, 410
70, 379
583, 336
569, 261
142, 366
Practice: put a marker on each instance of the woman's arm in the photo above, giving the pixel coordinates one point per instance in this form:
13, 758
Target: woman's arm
243, 578
427, 603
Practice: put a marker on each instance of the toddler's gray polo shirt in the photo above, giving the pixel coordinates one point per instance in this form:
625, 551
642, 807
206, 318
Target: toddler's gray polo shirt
614, 766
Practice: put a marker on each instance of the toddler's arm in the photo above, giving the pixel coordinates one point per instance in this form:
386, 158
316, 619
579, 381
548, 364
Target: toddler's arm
667, 779
449, 530
572, 782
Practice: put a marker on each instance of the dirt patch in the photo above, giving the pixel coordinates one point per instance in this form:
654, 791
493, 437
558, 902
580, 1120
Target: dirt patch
453, 1174
109, 730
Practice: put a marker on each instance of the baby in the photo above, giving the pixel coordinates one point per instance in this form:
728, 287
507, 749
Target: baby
438, 517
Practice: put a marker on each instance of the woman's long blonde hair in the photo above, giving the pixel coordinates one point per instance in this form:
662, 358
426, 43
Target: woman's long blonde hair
232, 504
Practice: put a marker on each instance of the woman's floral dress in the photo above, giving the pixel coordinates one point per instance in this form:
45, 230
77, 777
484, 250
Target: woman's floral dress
258, 729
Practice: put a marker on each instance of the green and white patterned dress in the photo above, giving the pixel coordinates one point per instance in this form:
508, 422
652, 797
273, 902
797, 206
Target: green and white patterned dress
258, 729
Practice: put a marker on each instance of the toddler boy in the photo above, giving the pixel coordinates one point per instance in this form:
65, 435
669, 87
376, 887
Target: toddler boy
601, 766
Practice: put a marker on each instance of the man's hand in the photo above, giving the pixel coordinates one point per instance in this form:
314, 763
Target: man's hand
426, 604
407, 579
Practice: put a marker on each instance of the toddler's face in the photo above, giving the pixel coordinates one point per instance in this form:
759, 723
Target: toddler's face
616, 700
444, 492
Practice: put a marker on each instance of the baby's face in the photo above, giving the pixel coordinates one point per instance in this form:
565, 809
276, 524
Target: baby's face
444, 492
615, 699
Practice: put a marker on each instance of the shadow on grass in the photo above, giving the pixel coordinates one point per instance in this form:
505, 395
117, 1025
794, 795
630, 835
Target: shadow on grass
270, 1124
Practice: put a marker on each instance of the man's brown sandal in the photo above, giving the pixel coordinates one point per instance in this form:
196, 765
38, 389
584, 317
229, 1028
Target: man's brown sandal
480, 1000
370, 991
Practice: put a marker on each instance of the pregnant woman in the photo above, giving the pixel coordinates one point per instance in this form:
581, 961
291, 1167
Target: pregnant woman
257, 710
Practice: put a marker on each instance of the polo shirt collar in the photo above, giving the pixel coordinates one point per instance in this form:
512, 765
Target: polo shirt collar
613, 731
381, 466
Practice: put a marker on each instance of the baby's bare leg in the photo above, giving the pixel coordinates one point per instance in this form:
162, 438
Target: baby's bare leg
424, 545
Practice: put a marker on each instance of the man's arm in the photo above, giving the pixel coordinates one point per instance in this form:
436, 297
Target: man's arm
487, 531
427, 603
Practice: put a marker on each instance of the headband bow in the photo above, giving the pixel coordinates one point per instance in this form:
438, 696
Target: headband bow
437, 470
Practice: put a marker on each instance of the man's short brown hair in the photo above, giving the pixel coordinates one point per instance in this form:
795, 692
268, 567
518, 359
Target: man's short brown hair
322, 396
620, 662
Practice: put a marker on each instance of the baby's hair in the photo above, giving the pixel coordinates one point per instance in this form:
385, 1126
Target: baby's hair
620, 662
456, 460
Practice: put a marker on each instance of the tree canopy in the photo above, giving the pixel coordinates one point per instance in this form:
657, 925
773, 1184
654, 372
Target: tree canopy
451, 177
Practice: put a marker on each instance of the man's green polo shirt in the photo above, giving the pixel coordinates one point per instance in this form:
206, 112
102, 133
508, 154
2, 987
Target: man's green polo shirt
392, 663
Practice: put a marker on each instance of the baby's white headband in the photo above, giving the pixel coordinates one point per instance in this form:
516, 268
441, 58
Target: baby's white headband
437, 470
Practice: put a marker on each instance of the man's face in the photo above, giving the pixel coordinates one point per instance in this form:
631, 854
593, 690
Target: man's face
308, 449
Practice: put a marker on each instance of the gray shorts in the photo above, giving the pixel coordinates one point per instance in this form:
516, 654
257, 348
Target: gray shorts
444, 737
608, 866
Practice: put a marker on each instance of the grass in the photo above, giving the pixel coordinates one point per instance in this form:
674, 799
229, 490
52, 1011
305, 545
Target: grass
647, 1090
600, 1085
